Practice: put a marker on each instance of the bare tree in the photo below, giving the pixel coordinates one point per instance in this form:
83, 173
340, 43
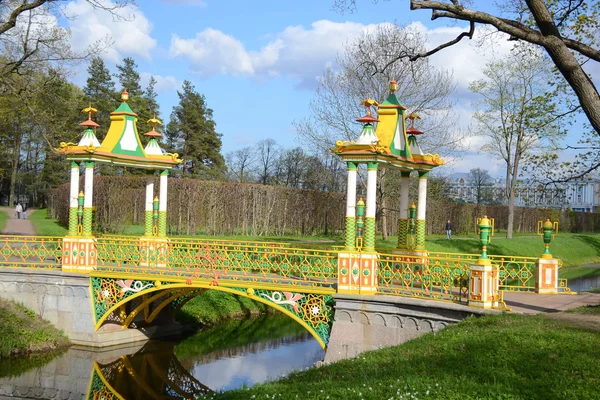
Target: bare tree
481, 182
239, 164
268, 151
516, 113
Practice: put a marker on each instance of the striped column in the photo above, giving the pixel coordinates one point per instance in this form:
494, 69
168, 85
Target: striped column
421, 207
162, 205
371, 207
148, 205
403, 220
73, 195
88, 202
350, 238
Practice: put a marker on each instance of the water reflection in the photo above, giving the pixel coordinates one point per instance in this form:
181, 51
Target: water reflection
229, 357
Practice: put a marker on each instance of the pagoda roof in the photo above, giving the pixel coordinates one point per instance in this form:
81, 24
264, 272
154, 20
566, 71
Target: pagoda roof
121, 146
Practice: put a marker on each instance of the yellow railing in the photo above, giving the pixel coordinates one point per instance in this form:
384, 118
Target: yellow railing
437, 278
43, 252
207, 259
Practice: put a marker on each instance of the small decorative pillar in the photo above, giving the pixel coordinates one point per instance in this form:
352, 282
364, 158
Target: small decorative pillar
546, 267
148, 225
421, 209
88, 202
403, 220
350, 235
483, 283
162, 207
73, 205
360, 220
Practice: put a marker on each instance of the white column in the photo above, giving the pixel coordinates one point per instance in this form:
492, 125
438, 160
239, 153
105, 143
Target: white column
74, 192
351, 195
162, 197
371, 192
149, 192
89, 185
404, 182
422, 202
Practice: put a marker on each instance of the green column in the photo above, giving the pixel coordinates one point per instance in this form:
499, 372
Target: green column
350, 234
88, 202
402, 233
162, 210
420, 235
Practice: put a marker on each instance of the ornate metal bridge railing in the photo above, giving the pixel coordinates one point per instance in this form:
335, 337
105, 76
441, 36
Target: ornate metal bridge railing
436, 277
218, 260
43, 252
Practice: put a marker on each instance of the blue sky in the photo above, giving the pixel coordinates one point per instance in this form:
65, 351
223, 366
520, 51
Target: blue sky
257, 61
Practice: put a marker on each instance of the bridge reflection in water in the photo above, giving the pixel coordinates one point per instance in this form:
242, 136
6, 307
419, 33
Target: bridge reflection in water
230, 356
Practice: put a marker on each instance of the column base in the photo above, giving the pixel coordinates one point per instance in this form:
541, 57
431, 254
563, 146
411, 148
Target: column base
79, 254
546, 274
357, 272
483, 286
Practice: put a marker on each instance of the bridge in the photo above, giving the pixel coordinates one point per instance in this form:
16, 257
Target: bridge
103, 290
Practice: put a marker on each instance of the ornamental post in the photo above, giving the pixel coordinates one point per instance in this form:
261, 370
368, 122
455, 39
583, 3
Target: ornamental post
350, 234
483, 282
546, 267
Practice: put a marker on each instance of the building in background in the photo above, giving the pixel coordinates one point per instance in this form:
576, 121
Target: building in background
582, 195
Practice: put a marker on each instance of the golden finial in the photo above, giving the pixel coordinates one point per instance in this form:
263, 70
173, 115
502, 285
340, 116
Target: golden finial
368, 103
125, 95
89, 110
412, 118
153, 121
393, 86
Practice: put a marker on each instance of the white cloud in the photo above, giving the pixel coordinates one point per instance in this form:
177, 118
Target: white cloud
296, 51
163, 83
130, 34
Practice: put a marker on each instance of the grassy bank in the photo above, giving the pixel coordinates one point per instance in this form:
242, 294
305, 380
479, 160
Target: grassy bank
493, 357
3, 218
22, 331
213, 306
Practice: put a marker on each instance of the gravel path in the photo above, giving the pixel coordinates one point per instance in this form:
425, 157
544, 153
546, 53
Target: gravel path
20, 227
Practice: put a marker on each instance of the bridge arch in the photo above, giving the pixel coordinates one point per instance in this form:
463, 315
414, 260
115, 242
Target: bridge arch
311, 307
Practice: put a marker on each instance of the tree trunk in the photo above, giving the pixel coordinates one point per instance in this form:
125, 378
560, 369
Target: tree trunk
384, 230
15, 164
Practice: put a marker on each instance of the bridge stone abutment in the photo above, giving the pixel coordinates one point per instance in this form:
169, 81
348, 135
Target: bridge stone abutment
364, 323
64, 300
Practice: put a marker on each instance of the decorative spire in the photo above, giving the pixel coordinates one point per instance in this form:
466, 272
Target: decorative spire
412, 130
153, 122
89, 110
368, 119
125, 96
393, 86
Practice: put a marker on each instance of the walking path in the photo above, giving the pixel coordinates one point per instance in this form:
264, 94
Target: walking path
14, 226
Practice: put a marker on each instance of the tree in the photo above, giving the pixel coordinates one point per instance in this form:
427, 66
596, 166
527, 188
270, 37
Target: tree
481, 183
192, 130
268, 151
517, 113
567, 30
239, 164
365, 71
100, 92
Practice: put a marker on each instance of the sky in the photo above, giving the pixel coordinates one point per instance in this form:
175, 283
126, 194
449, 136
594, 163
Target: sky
257, 62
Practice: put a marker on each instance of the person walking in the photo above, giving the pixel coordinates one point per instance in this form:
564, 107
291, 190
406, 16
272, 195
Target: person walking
19, 210
24, 210
448, 230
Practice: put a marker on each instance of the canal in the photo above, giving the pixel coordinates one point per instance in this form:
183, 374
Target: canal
231, 356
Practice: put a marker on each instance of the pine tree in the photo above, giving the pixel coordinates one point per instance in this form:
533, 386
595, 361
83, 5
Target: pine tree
130, 78
192, 130
149, 107
100, 92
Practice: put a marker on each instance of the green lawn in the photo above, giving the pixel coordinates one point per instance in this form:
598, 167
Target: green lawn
493, 357
3, 218
45, 226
